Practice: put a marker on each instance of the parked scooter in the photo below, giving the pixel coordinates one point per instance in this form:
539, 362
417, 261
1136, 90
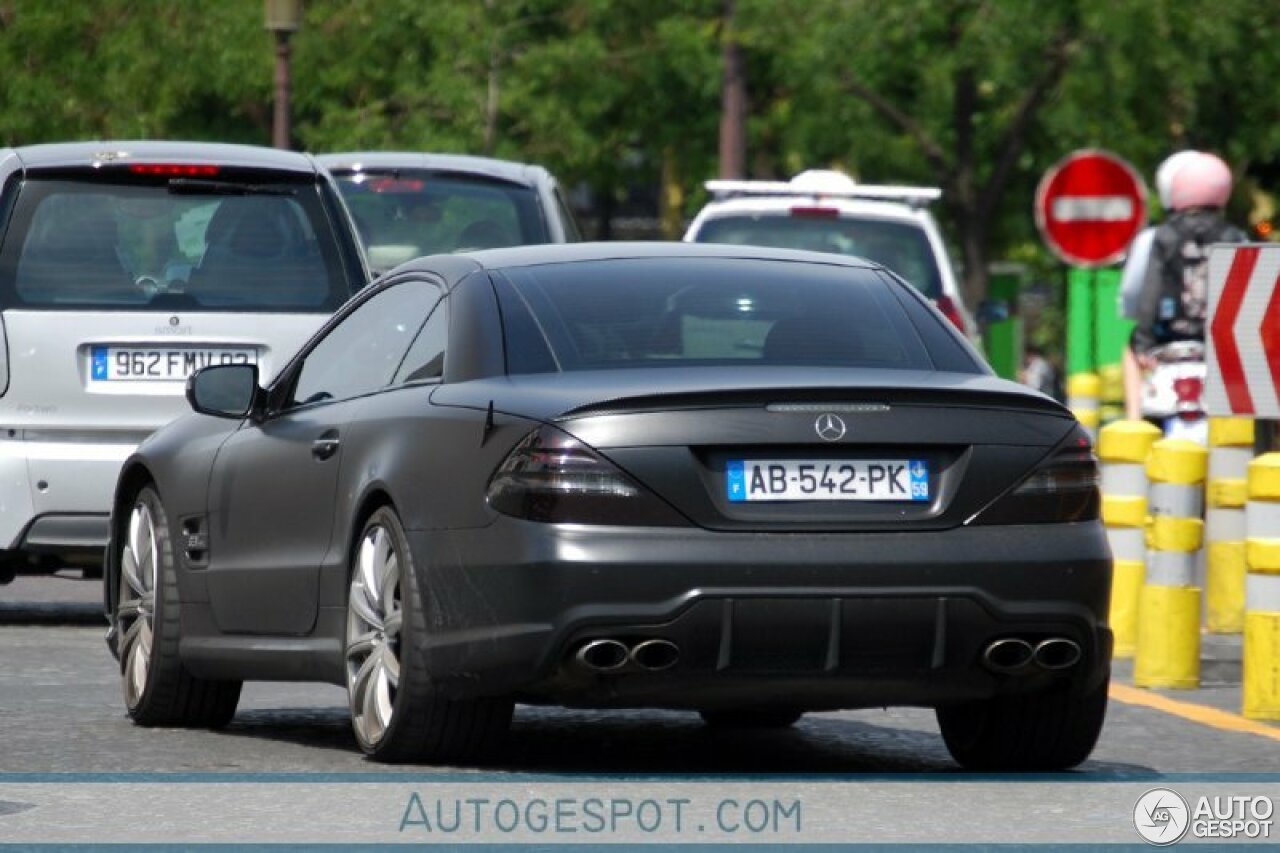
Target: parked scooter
1172, 391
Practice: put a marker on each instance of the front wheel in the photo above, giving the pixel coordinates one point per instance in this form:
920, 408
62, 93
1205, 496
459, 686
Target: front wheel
396, 712
158, 689
1049, 730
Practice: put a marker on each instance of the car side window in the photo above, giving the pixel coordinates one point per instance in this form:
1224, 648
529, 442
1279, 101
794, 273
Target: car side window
360, 354
425, 360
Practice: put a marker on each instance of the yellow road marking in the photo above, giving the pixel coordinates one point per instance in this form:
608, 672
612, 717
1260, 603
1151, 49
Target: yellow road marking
1202, 714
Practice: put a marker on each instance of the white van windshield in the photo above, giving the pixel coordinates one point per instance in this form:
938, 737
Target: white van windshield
185, 244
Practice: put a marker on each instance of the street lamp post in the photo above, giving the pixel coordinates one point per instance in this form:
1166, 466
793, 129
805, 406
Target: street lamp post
283, 18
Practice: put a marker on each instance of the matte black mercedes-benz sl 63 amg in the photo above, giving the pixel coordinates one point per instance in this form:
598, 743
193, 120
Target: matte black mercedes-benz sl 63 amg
745, 482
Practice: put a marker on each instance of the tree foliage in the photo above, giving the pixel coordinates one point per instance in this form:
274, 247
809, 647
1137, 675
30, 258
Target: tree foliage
976, 96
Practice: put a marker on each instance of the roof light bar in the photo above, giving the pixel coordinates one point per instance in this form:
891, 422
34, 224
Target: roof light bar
916, 196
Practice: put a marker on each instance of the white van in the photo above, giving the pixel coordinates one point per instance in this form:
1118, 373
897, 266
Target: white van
124, 267
827, 211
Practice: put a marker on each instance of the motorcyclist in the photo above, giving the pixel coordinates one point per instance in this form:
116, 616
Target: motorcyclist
1135, 271
1173, 302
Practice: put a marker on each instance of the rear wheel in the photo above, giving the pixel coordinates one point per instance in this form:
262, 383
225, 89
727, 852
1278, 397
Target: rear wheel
396, 713
1050, 730
158, 690
752, 718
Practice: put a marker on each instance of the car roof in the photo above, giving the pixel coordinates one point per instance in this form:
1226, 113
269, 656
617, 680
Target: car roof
507, 170
458, 264
71, 154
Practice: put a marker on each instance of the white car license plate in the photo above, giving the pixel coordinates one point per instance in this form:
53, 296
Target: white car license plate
828, 480
160, 364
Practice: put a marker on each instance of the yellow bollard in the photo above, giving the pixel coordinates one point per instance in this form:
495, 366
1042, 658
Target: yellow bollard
1168, 653
1226, 490
1123, 447
1110, 393
1262, 591
1082, 400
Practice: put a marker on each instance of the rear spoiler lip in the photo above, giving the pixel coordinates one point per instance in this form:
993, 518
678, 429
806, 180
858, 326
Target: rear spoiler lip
891, 397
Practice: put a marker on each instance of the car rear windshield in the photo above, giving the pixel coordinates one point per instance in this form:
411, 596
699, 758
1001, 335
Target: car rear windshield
108, 243
697, 312
407, 213
901, 246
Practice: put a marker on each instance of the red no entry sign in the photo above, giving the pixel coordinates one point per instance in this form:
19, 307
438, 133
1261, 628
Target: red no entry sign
1089, 207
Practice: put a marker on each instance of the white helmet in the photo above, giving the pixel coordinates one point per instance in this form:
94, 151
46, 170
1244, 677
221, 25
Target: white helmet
1205, 181
1165, 172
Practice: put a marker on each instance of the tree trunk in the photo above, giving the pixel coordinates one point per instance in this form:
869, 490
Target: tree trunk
604, 213
973, 243
671, 203
492, 92
733, 101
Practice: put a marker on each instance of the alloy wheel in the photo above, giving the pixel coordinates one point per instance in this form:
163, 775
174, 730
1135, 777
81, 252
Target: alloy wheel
373, 635
135, 612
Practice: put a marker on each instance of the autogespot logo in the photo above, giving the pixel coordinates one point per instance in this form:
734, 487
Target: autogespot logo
830, 427
1161, 816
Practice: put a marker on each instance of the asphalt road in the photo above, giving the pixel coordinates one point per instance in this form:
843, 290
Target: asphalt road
61, 711
66, 746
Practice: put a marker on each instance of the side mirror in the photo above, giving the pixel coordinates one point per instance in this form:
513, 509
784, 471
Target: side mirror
223, 390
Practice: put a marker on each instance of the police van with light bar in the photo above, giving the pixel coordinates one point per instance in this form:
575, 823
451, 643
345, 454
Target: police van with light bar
827, 211
125, 267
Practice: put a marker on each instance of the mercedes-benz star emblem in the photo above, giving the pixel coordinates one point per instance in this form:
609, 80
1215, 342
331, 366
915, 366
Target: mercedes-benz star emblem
830, 427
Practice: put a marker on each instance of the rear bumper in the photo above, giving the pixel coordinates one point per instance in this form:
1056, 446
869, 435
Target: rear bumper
821, 621
55, 497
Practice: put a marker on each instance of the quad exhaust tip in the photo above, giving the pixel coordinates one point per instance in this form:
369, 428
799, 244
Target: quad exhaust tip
1010, 654
609, 655
602, 655
1057, 653
1014, 654
655, 655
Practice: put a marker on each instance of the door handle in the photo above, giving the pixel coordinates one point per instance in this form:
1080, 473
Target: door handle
325, 446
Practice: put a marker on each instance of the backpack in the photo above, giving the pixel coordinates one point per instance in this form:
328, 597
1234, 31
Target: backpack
1183, 243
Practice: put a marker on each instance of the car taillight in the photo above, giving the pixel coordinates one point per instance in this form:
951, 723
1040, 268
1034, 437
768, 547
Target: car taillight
1062, 488
396, 185
815, 212
174, 170
951, 311
550, 476
1188, 389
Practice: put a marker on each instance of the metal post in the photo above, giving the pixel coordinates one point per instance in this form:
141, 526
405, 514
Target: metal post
282, 19
280, 123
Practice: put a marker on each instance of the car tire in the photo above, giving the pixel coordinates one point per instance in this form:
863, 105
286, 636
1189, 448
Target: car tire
158, 689
752, 718
1053, 729
397, 714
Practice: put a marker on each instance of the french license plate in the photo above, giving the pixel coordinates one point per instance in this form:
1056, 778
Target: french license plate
160, 364
828, 480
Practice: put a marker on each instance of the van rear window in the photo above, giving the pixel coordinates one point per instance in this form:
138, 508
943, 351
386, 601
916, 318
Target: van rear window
184, 244
404, 213
901, 246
